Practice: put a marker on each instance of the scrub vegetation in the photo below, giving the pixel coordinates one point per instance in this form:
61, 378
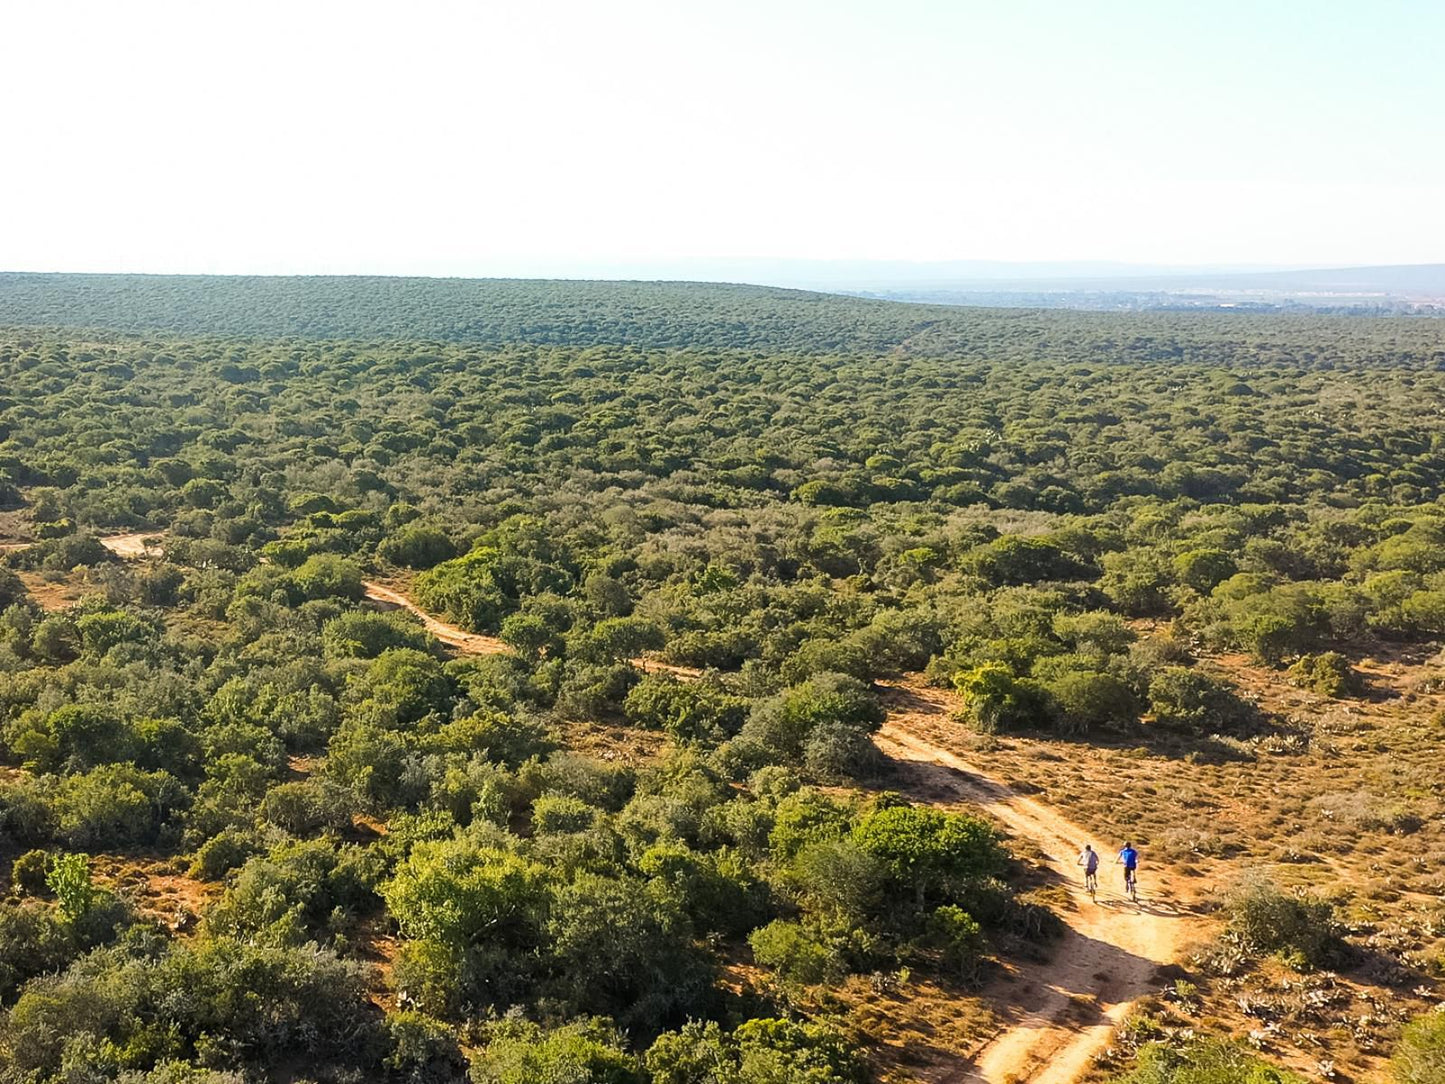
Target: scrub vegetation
255, 825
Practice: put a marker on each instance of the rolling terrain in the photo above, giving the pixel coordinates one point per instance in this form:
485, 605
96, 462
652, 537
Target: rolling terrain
679, 684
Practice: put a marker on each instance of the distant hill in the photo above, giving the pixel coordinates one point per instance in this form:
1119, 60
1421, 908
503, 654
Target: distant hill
674, 315
1426, 279
550, 311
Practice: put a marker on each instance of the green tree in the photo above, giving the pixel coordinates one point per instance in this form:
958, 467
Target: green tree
927, 851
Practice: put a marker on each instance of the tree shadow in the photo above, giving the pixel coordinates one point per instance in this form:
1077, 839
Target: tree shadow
1150, 738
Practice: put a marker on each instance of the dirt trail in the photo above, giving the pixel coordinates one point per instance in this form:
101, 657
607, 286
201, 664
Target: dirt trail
131, 546
1112, 950
1066, 1010
468, 643
471, 643
128, 546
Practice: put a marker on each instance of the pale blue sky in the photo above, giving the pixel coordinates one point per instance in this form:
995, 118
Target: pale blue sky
562, 138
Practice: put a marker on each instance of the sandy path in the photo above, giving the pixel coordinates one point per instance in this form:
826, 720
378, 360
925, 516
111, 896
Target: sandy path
468, 643
472, 643
1067, 1008
128, 546
131, 546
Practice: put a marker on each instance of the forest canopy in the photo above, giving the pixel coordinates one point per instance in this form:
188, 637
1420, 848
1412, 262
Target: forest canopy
633, 838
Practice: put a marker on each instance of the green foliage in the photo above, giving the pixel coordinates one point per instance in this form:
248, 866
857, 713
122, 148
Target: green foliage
1015, 559
1419, 1056
803, 493
12, 591
1328, 674
1086, 699
361, 634
30, 872
929, 851
1301, 927
423, 1050
69, 881
223, 852
689, 711
1204, 1062
796, 954
296, 892
587, 1052
454, 892
1204, 569
959, 937
258, 1003
786, 723
626, 952
995, 700
760, 1051
417, 545
327, 576
116, 805
1191, 700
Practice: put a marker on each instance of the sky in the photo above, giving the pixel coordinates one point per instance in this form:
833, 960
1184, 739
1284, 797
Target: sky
560, 138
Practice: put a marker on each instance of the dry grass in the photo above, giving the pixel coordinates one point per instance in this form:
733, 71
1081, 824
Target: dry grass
158, 887
627, 745
1356, 813
52, 591
917, 1030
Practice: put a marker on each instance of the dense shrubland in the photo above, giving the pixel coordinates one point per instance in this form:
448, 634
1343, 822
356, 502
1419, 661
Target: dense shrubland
1001, 504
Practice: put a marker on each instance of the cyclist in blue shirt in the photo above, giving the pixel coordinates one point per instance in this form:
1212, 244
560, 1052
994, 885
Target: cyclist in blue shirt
1129, 857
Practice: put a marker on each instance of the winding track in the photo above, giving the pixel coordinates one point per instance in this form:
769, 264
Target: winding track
468, 643
1111, 953
1112, 950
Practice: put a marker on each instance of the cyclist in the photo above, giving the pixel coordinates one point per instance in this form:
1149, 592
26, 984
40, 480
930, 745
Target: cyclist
1129, 858
1089, 859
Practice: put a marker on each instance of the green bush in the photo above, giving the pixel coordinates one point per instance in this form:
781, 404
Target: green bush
423, 1050
296, 892
417, 545
587, 1052
326, 575
1086, 699
760, 1051
1204, 1062
620, 950
1301, 927
928, 852
266, 1004
553, 813
28, 872
1419, 1056
784, 724
694, 711
68, 879
308, 806
117, 805
223, 852
1328, 674
959, 938
1190, 700
995, 700
796, 954
363, 634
